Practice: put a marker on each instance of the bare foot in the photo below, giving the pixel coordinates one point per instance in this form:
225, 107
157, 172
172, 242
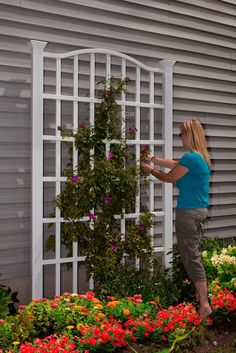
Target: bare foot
205, 311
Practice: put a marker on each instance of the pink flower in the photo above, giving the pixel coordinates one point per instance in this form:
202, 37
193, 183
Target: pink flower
110, 155
132, 130
91, 215
22, 307
142, 228
107, 199
57, 296
126, 80
114, 246
75, 178
145, 150
90, 295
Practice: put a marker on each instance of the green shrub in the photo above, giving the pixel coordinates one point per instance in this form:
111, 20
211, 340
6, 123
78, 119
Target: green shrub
7, 301
156, 284
224, 275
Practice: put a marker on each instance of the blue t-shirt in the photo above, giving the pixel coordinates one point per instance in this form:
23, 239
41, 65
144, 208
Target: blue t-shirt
194, 185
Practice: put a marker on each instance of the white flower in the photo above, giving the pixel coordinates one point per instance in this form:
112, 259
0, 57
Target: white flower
204, 253
222, 258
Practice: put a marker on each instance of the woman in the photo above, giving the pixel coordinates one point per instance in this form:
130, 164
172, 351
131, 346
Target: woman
191, 174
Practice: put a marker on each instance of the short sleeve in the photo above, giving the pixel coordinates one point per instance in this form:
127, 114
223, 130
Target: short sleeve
187, 160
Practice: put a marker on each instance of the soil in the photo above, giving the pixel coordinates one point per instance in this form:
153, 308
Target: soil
220, 338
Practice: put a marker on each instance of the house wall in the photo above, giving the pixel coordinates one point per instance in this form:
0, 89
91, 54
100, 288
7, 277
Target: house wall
199, 35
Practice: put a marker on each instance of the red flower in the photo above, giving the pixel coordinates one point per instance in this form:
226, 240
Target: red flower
92, 341
22, 307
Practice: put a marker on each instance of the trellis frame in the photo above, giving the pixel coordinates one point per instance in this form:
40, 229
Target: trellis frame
165, 67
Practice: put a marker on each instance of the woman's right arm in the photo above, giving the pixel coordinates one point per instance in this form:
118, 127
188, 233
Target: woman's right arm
167, 163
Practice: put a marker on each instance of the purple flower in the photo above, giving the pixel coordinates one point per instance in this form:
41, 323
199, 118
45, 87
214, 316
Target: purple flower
142, 228
91, 215
146, 148
132, 130
110, 155
126, 80
114, 246
107, 199
75, 178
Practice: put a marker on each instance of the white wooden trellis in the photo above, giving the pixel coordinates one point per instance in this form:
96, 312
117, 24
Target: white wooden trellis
165, 69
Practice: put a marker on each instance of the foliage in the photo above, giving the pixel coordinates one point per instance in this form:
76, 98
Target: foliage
223, 301
151, 284
103, 185
177, 340
221, 275
50, 344
220, 265
95, 325
7, 300
180, 277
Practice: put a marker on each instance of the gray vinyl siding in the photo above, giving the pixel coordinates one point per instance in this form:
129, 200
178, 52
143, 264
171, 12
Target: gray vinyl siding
199, 35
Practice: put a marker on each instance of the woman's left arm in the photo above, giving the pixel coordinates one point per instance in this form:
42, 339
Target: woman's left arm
174, 174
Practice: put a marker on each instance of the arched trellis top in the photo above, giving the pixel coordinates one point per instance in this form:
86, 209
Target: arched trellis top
105, 52
40, 181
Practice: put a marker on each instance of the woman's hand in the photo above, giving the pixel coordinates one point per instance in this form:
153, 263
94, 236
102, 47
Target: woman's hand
147, 168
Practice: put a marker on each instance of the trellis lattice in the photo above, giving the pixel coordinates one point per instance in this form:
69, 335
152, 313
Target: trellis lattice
64, 92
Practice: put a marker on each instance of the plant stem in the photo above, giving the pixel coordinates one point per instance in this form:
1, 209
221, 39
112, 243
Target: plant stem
132, 349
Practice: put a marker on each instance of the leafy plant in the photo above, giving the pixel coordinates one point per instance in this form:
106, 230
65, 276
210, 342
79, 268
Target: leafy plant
103, 185
222, 275
93, 325
151, 284
180, 277
221, 266
7, 301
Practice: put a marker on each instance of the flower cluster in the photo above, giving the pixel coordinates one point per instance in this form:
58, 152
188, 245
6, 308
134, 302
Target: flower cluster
226, 257
168, 323
220, 266
145, 151
107, 334
132, 132
51, 344
82, 323
223, 300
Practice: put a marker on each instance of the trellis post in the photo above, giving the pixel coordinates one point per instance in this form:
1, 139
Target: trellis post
167, 66
37, 48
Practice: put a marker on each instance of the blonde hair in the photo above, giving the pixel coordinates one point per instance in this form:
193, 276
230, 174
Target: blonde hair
194, 138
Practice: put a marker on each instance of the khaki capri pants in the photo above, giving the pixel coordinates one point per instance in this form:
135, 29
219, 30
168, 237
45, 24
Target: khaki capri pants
189, 227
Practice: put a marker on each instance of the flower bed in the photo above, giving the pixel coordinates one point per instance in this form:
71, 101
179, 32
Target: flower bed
81, 323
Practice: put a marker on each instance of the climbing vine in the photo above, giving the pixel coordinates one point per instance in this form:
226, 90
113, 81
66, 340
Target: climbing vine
103, 185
